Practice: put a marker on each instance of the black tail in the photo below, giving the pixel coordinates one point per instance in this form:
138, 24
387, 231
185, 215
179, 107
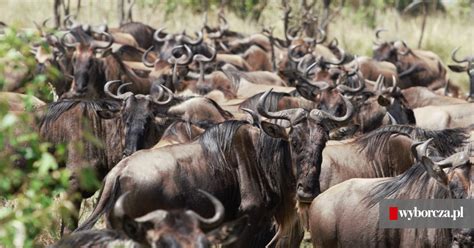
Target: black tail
107, 198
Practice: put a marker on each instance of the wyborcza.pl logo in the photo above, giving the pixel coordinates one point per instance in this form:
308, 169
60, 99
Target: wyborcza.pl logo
426, 213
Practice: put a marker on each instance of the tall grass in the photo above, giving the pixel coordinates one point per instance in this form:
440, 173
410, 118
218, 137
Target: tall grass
353, 28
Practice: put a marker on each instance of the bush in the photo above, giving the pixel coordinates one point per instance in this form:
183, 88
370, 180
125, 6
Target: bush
31, 181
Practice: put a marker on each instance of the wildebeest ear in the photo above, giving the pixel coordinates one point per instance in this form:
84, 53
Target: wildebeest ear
274, 130
229, 232
107, 114
457, 68
383, 101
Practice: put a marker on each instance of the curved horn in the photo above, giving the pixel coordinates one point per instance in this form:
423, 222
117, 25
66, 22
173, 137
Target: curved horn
343, 88
223, 24
109, 37
201, 58
184, 59
309, 68
404, 53
121, 87
378, 31
453, 56
322, 35
291, 30
120, 96
355, 70
379, 83
67, 44
157, 34
395, 84
188, 41
316, 114
255, 117
270, 115
419, 151
161, 90
392, 119
69, 22
290, 54
145, 55
218, 215
334, 42
456, 159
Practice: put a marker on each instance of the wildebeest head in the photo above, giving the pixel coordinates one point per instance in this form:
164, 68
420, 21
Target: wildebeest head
394, 102
137, 114
469, 68
86, 67
176, 228
455, 174
309, 132
384, 50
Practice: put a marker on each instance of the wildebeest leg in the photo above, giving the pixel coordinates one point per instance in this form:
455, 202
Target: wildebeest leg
293, 237
69, 224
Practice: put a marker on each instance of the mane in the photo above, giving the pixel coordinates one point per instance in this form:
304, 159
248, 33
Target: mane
216, 143
75, 121
174, 129
226, 114
444, 141
271, 101
57, 109
375, 143
234, 76
414, 183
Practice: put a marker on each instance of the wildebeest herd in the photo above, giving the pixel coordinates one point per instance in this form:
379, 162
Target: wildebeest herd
225, 138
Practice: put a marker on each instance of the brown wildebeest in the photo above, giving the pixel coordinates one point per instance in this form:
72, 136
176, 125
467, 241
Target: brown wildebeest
384, 152
179, 132
120, 127
415, 67
90, 73
244, 190
332, 213
417, 97
160, 228
446, 116
469, 68
129, 171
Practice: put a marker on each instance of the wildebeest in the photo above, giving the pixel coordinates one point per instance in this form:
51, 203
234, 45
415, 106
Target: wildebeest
469, 68
160, 228
446, 116
119, 128
332, 214
309, 132
415, 67
417, 97
385, 152
252, 174
90, 73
